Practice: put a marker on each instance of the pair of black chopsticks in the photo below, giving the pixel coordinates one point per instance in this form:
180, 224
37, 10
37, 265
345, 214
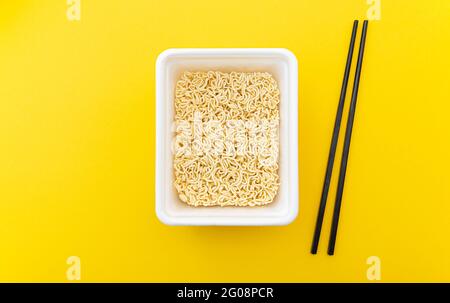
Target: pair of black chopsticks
334, 141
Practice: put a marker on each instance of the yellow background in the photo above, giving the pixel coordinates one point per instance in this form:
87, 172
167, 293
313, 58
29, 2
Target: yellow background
77, 133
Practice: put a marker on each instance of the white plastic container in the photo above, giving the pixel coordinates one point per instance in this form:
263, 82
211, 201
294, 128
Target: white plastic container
282, 64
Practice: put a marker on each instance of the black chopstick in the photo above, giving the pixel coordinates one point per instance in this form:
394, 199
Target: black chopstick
334, 141
348, 136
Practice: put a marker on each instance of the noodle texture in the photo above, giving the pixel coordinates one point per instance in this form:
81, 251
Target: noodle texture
226, 138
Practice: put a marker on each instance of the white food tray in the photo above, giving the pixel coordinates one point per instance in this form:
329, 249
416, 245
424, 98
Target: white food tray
282, 64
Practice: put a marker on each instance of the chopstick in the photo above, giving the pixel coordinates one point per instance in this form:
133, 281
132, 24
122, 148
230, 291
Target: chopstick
346, 150
334, 141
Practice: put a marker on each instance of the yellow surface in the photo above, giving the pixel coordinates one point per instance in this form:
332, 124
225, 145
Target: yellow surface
77, 133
